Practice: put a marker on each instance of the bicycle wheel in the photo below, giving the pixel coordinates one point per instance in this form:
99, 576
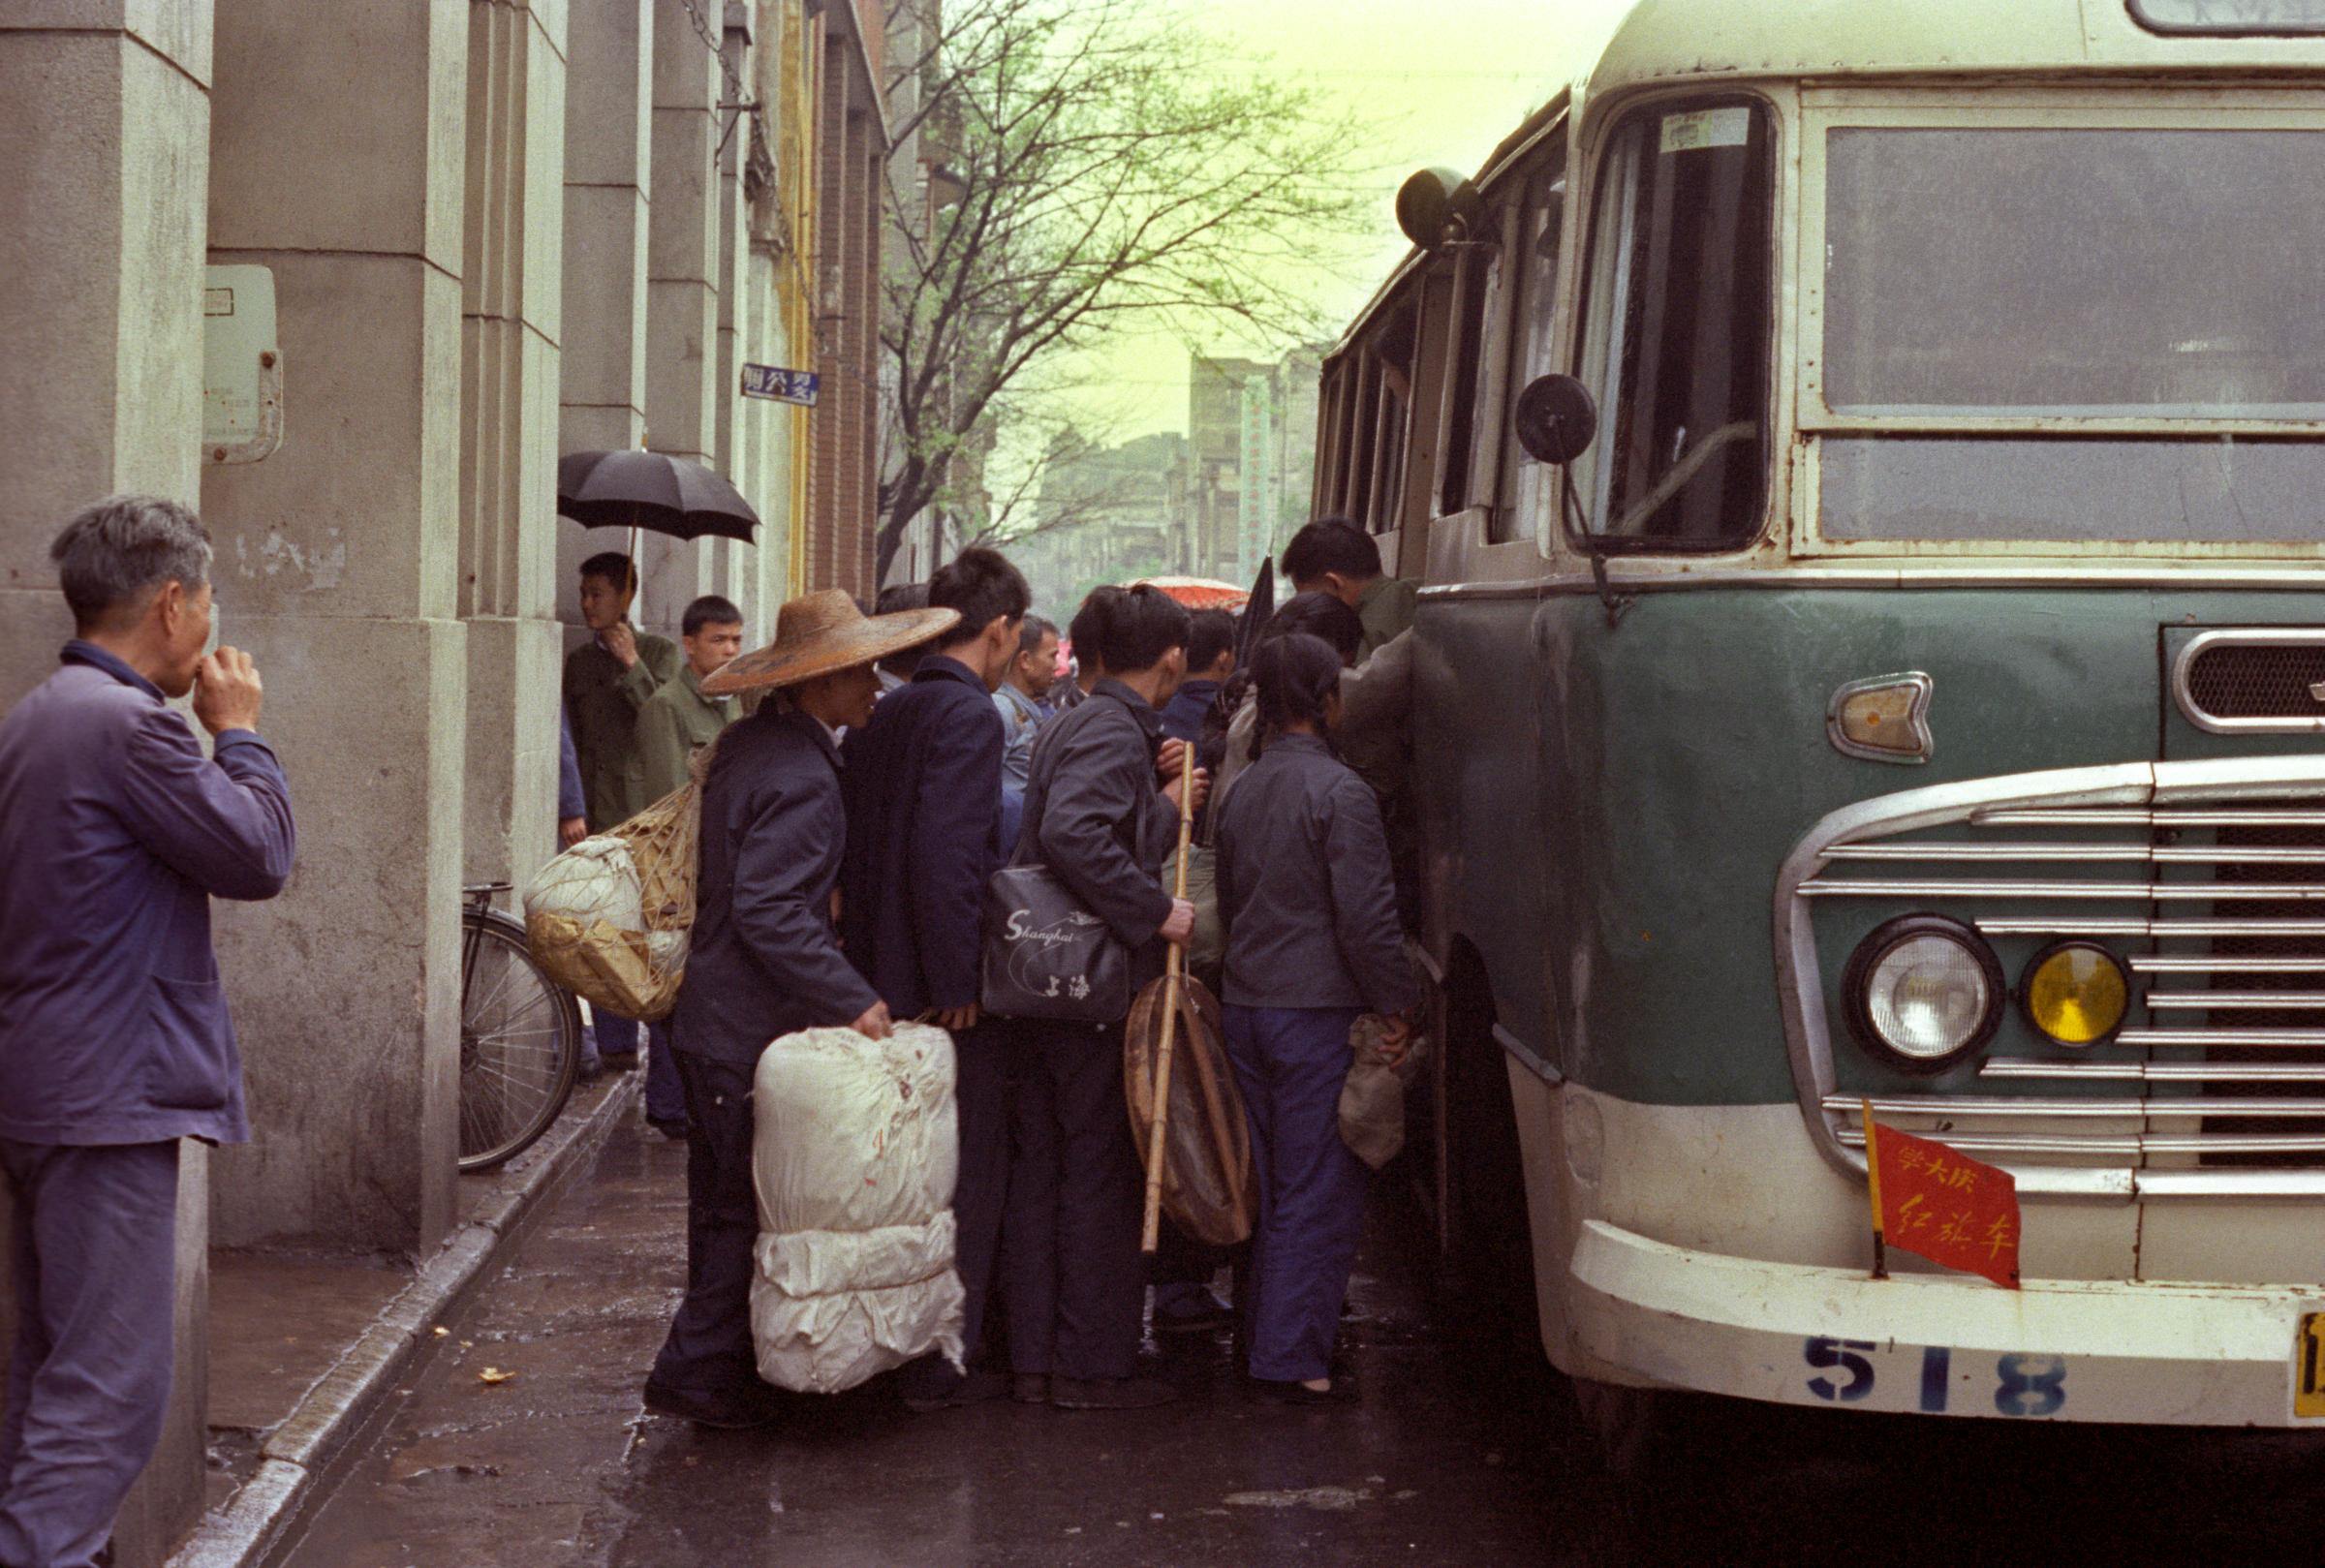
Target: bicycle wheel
520, 1042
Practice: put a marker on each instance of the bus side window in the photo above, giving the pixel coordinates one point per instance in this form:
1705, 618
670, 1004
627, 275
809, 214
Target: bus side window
1528, 488
1477, 292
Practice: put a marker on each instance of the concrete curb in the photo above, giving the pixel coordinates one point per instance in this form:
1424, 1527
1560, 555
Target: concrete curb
239, 1532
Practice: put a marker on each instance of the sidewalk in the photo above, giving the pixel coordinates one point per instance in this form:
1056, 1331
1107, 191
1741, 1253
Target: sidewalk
552, 1462
304, 1346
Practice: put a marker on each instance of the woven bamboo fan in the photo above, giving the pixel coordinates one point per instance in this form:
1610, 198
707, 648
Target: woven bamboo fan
1207, 1185
1186, 1114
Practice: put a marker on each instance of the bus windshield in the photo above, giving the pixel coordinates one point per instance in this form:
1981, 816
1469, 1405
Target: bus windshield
2076, 272
2057, 275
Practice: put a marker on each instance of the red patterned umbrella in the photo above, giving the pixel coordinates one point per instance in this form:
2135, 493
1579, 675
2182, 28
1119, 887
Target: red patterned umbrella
1199, 593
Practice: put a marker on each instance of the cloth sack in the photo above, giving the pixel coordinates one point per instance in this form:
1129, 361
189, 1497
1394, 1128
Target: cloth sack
854, 1152
1372, 1101
609, 918
1207, 947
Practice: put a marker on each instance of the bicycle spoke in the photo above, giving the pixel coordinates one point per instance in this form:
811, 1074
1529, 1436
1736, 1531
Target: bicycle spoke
521, 1040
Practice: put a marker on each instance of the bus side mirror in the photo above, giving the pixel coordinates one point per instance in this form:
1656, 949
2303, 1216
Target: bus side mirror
1555, 419
1437, 207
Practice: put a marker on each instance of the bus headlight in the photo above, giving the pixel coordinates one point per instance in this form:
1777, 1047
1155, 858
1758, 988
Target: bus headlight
2076, 992
1922, 992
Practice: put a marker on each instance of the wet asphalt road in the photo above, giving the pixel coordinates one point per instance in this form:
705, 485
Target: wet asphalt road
1459, 1453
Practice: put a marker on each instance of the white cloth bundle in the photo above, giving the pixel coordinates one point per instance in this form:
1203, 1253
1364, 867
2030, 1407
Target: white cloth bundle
854, 1152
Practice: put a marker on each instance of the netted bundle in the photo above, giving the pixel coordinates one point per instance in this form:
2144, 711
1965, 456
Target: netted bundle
609, 918
1207, 1185
855, 1150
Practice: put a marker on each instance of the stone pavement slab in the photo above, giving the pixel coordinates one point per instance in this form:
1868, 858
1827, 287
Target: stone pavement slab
306, 1348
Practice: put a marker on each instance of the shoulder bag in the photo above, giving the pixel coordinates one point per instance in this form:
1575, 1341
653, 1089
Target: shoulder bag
1046, 956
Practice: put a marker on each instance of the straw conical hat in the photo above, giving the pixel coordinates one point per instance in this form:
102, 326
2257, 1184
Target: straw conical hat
820, 633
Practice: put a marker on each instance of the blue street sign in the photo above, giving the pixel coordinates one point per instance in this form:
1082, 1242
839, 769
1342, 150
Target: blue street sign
783, 385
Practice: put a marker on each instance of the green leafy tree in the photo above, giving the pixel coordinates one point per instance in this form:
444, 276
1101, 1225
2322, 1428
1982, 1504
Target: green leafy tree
1093, 168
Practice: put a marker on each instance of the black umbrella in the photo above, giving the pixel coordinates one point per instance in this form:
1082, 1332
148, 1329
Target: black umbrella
653, 491
1255, 611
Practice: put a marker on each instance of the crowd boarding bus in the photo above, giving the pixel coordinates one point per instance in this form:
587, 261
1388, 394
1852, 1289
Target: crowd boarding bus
1866, 464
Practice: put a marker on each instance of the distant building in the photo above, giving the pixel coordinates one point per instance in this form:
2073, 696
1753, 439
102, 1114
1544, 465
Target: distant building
1105, 514
1250, 434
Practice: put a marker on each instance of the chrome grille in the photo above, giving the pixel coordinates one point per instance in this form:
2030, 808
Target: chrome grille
2208, 878
2252, 680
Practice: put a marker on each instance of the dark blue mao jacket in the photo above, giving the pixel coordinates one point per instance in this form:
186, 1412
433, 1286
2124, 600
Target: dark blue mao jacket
1304, 887
765, 959
115, 832
923, 788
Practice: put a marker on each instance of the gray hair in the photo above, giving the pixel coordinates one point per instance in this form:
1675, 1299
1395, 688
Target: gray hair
115, 554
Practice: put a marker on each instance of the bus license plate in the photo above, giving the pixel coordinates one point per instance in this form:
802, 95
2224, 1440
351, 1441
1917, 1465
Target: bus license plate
2308, 1366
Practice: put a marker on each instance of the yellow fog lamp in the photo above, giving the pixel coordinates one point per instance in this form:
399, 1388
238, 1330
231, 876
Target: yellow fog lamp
2075, 993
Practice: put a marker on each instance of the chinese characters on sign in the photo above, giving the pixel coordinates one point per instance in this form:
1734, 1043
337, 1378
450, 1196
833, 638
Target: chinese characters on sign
1941, 1204
783, 385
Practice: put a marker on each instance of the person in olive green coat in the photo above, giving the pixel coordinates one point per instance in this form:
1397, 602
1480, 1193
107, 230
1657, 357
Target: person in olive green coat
678, 720
607, 680
1334, 556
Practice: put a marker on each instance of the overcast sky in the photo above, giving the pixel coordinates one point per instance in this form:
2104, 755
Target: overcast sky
1439, 83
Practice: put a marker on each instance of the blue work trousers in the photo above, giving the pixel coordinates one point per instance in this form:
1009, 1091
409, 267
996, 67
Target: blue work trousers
1291, 1064
666, 1096
709, 1348
1076, 1283
93, 1250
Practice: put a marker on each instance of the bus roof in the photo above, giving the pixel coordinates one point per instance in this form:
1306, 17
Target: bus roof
1668, 40
1672, 41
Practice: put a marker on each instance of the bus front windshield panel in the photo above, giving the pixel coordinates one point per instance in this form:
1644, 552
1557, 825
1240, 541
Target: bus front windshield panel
1677, 329
2057, 275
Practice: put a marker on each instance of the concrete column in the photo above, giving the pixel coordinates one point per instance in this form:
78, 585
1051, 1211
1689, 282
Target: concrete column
731, 570
338, 160
833, 475
104, 204
766, 450
864, 207
609, 186
513, 256
682, 296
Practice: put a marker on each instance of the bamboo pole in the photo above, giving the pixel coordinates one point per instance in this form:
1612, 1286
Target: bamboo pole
1159, 1123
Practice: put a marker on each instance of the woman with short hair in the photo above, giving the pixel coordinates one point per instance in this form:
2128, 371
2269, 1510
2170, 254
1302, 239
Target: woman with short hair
1312, 945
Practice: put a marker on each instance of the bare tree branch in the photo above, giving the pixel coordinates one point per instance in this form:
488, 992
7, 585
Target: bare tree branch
1104, 177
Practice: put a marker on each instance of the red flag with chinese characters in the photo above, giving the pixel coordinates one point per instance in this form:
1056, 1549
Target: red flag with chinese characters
1950, 1209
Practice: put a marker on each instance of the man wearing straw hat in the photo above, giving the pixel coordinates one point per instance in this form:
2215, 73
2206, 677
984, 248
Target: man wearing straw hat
765, 961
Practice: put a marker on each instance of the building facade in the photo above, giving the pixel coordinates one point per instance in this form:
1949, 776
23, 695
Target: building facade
1251, 451
1105, 514
496, 230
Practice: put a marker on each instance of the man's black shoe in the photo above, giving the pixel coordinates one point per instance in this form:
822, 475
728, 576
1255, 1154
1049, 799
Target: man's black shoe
619, 1060
732, 1412
1109, 1393
1210, 1315
1030, 1388
974, 1388
675, 1131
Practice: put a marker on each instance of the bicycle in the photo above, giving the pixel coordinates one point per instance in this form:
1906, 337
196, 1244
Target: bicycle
520, 1036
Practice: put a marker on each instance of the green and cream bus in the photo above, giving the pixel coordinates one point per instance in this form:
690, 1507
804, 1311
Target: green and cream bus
1903, 682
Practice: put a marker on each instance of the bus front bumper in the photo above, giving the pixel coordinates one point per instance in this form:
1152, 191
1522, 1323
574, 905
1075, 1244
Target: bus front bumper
1946, 1344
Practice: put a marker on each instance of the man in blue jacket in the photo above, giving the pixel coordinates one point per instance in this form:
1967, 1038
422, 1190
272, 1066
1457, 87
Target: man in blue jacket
1096, 819
923, 791
764, 961
114, 1043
